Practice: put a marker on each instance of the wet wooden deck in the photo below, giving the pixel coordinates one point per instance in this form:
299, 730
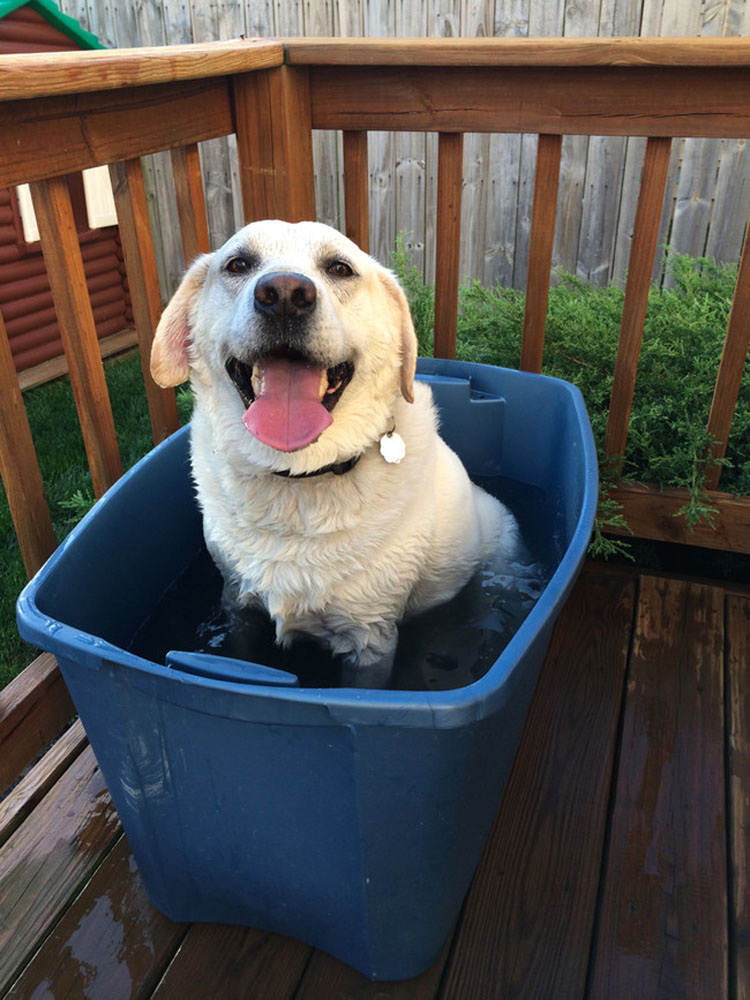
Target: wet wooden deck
616, 868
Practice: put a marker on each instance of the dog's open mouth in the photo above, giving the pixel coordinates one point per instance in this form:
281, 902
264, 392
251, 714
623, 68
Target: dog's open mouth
288, 397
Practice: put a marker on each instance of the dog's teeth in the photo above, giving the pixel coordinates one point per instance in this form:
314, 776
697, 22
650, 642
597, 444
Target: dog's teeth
323, 388
334, 387
257, 381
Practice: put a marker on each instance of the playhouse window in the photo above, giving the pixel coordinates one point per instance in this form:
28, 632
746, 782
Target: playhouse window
100, 202
91, 198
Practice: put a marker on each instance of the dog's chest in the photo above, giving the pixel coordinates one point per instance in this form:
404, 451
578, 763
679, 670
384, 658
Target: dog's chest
295, 550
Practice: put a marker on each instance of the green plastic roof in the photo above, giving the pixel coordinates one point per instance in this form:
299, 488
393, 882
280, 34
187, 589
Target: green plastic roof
52, 13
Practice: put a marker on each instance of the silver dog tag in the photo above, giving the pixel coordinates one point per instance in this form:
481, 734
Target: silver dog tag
392, 447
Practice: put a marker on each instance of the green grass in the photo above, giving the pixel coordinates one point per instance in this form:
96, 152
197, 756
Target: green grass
682, 343
62, 459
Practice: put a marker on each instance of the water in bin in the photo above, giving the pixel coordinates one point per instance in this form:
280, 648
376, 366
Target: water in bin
446, 647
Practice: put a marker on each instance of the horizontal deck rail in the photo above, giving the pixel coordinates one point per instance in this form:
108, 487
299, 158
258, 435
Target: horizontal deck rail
67, 112
24, 76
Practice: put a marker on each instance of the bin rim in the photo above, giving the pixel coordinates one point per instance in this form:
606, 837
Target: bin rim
363, 706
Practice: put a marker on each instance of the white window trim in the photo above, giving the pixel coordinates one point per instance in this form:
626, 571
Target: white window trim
100, 203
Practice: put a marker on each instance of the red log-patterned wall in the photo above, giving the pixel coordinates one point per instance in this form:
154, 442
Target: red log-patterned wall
25, 297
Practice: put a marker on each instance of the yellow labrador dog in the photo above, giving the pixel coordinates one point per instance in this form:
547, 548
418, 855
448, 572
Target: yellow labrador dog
326, 492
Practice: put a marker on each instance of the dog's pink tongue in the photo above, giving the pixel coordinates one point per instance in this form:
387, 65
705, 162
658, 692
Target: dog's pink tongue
288, 414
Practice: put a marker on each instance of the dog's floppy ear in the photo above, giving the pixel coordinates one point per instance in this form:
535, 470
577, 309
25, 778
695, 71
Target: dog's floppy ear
169, 350
408, 336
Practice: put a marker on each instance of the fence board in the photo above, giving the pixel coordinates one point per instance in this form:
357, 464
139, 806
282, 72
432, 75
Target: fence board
259, 19
443, 23
380, 17
695, 175
694, 197
598, 193
476, 22
609, 201
219, 21
731, 198
507, 173
581, 21
147, 22
317, 19
528, 156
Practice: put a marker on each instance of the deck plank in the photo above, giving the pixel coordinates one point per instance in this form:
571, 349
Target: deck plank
326, 977
222, 961
34, 709
738, 765
663, 927
49, 857
529, 914
32, 788
111, 943
75, 919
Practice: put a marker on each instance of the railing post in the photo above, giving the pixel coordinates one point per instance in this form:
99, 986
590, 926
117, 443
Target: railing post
541, 241
62, 257
731, 367
191, 202
448, 241
356, 189
645, 236
143, 279
274, 144
19, 468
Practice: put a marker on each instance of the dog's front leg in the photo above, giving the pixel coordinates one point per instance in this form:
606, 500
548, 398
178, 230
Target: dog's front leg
368, 652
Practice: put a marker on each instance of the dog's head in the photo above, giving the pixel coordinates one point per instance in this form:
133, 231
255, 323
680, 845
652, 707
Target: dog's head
292, 330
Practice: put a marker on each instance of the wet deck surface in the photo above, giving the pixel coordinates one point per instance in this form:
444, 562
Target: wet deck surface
616, 868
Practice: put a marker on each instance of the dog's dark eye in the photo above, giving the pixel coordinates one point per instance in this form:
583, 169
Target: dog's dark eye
238, 265
340, 269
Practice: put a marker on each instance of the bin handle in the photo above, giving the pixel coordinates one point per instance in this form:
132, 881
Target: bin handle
224, 668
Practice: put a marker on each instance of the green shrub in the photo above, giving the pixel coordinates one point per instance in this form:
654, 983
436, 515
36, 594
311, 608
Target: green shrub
682, 341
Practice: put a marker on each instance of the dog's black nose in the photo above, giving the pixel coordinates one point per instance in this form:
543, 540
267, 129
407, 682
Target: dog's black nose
285, 294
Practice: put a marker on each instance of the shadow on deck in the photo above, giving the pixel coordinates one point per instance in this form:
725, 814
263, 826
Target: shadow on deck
616, 868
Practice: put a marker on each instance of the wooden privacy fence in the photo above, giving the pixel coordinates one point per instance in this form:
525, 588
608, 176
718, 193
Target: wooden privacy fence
64, 113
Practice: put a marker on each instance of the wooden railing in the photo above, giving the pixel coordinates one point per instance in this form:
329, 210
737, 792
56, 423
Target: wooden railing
71, 111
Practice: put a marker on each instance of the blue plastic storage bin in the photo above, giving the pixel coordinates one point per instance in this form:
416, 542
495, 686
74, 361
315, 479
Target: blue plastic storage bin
350, 819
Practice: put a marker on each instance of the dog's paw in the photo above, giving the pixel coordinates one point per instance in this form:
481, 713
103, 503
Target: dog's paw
367, 652
374, 673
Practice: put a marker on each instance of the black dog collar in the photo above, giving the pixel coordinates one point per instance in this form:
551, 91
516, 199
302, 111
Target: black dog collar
337, 468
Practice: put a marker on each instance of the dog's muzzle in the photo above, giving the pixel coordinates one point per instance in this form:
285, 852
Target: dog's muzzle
288, 392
